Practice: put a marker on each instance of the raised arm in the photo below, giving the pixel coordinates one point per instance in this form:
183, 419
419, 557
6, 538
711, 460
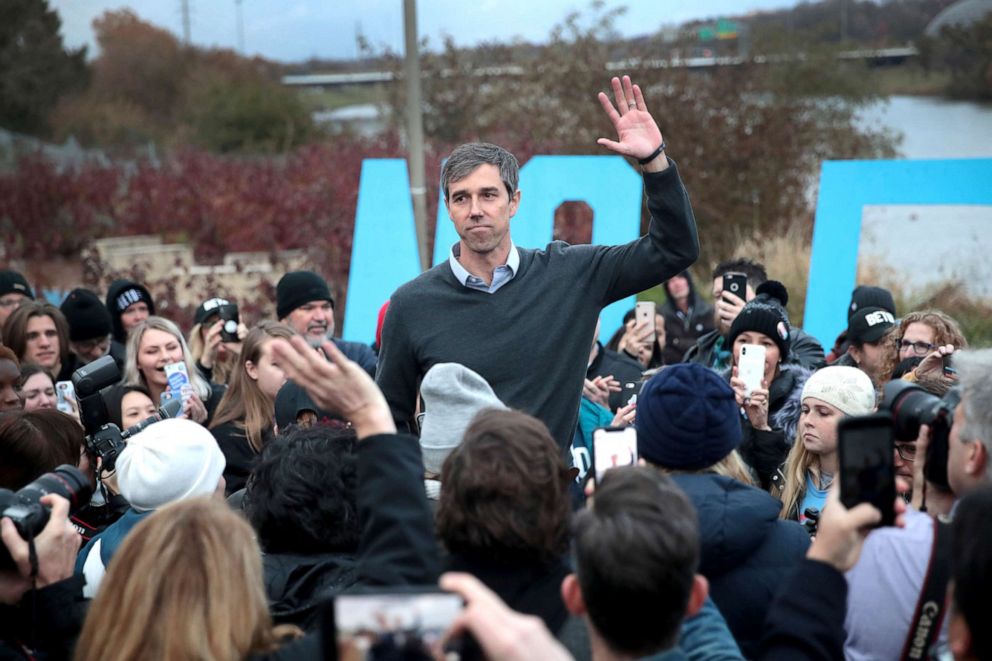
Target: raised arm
638, 135
397, 545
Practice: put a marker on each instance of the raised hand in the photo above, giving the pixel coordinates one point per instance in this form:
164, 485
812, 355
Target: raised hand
336, 384
638, 135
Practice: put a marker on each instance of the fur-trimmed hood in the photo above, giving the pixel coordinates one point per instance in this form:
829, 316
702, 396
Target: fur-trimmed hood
785, 400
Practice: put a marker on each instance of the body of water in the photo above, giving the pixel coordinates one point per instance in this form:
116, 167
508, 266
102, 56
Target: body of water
934, 128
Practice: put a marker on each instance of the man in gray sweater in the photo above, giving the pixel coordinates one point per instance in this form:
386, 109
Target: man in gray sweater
523, 318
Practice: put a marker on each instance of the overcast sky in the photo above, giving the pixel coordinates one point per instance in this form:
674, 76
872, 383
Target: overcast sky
293, 30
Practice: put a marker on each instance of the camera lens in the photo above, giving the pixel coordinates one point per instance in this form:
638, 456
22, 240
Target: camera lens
911, 406
231, 326
66, 481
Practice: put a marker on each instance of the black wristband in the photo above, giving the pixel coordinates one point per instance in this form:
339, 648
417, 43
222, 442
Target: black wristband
654, 155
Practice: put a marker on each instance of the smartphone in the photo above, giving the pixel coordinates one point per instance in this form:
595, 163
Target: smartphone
403, 623
644, 313
229, 315
865, 447
949, 370
736, 284
612, 447
179, 380
751, 367
64, 392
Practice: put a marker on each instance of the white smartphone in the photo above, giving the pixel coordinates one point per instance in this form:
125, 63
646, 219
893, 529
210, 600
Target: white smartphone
751, 366
644, 312
612, 447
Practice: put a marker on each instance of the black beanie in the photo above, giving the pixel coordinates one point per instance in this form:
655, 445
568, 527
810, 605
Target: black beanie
87, 316
867, 296
766, 314
298, 288
12, 282
121, 295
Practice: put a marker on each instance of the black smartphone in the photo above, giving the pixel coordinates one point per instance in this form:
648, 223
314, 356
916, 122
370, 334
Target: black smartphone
736, 284
865, 447
949, 370
393, 623
612, 447
229, 315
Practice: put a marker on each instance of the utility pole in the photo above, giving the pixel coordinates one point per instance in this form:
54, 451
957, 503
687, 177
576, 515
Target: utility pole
843, 21
241, 26
185, 10
415, 130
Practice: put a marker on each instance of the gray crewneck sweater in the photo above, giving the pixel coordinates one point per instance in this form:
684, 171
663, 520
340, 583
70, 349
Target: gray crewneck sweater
530, 340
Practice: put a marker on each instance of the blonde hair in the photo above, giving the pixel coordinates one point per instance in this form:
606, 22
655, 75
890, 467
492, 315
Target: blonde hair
223, 369
186, 584
731, 466
244, 403
134, 377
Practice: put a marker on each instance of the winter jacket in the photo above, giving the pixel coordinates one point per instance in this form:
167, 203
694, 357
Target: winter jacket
765, 451
804, 350
296, 583
745, 550
358, 352
624, 369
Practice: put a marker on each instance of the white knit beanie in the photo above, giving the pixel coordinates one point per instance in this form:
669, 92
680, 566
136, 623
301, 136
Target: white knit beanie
452, 395
171, 460
847, 388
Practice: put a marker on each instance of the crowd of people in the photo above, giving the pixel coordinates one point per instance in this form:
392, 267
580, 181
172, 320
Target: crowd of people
457, 451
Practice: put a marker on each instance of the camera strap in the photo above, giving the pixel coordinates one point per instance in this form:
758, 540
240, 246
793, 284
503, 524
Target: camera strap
932, 605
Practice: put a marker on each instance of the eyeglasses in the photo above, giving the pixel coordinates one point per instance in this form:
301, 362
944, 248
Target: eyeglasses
11, 302
919, 348
907, 451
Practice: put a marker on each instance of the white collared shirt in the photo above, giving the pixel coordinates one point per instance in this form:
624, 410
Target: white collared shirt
501, 274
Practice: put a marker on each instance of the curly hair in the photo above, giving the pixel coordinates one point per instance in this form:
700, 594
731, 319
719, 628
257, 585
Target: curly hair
506, 491
301, 496
945, 329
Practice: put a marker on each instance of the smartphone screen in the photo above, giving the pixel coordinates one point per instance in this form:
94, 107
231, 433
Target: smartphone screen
612, 447
867, 473
400, 624
64, 391
751, 366
736, 284
644, 312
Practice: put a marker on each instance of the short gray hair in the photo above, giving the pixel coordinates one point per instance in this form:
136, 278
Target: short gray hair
975, 374
466, 158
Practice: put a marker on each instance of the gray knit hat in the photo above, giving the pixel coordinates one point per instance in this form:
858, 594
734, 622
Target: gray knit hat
452, 395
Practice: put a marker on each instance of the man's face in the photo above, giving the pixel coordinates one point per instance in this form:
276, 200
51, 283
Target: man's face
481, 209
678, 287
133, 315
42, 342
89, 350
724, 325
916, 341
963, 473
870, 358
9, 303
314, 320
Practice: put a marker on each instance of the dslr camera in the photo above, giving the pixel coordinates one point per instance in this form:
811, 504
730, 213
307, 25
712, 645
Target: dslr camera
104, 439
29, 515
912, 406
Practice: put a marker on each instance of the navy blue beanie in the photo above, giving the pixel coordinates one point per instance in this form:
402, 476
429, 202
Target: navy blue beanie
687, 418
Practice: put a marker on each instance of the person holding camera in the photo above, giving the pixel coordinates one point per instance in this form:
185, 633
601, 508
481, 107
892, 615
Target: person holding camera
714, 349
156, 343
769, 411
215, 339
39, 608
900, 569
